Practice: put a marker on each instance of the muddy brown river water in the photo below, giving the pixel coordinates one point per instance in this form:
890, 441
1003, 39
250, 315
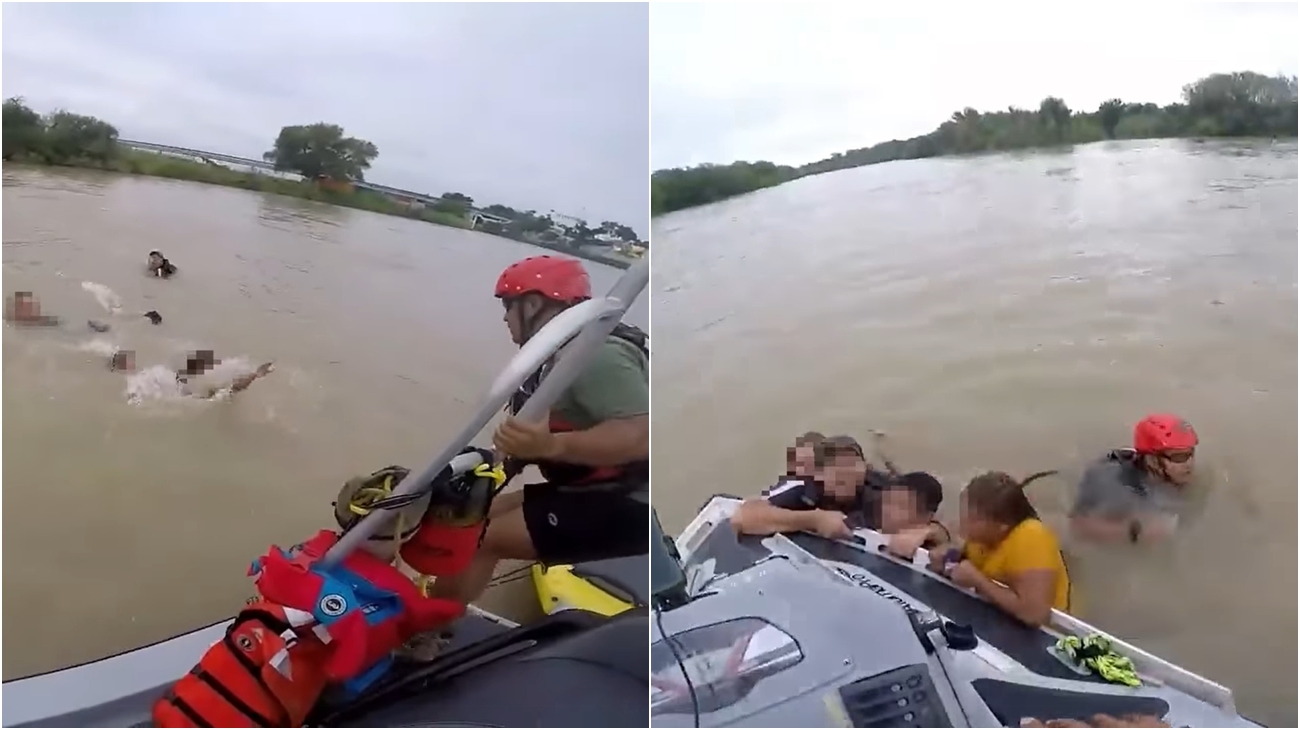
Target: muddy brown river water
1016, 312
128, 524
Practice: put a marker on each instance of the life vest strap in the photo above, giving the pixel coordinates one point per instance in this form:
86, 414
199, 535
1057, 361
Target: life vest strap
184, 708
233, 699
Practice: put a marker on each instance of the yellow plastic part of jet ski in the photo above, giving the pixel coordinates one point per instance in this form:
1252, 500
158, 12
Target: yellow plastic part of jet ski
559, 589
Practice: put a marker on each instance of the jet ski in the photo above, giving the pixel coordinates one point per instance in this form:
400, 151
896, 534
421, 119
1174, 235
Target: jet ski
542, 665
607, 587
800, 631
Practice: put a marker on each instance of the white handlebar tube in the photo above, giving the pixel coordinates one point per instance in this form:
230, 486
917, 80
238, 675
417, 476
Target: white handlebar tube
572, 337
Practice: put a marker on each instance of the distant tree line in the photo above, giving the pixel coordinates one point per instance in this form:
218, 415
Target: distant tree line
530, 226
1243, 104
61, 138
321, 153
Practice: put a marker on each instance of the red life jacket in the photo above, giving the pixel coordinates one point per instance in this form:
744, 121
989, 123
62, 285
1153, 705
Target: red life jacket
261, 674
359, 636
632, 474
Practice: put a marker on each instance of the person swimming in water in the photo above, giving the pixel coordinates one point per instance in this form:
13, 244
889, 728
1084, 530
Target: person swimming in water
201, 361
23, 308
196, 364
1136, 495
159, 265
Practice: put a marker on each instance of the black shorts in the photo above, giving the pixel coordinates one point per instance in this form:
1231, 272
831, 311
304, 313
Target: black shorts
580, 524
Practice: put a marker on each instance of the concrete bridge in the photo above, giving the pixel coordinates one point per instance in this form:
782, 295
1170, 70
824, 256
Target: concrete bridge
406, 197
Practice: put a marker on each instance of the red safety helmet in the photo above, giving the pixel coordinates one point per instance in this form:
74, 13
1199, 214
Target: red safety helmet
1163, 432
561, 279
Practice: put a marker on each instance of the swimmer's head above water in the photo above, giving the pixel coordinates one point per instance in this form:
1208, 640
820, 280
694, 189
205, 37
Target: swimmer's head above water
199, 362
122, 361
1166, 447
159, 265
24, 308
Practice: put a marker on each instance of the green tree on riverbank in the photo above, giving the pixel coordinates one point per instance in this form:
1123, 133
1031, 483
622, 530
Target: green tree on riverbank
321, 151
1239, 104
61, 138
686, 187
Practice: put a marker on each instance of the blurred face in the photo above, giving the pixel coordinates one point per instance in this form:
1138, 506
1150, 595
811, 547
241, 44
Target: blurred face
155, 260
1178, 465
25, 305
976, 527
201, 361
123, 360
900, 510
802, 460
843, 474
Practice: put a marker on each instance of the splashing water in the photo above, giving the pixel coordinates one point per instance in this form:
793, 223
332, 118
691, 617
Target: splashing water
98, 346
107, 298
228, 369
158, 382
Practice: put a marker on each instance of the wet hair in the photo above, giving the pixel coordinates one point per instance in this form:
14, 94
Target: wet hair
153, 316
834, 446
997, 496
156, 253
811, 438
928, 490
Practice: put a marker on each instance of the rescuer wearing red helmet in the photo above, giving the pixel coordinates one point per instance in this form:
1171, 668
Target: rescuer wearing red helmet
593, 450
1136, 494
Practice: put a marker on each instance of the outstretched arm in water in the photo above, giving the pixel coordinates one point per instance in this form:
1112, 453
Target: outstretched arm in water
242, 382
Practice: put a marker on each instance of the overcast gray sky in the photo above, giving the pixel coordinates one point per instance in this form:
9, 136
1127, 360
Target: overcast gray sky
793, 83
531, 105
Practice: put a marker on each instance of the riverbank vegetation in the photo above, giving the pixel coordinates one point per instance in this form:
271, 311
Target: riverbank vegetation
1244, 104
316, 162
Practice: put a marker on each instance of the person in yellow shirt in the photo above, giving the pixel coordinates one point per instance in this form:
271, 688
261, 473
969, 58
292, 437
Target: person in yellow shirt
1010, 558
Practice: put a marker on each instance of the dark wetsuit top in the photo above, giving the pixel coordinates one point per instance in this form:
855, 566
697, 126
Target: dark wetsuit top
802, 493
1116, 487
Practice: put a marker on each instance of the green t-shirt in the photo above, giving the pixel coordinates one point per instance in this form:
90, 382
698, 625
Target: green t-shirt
615, 385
